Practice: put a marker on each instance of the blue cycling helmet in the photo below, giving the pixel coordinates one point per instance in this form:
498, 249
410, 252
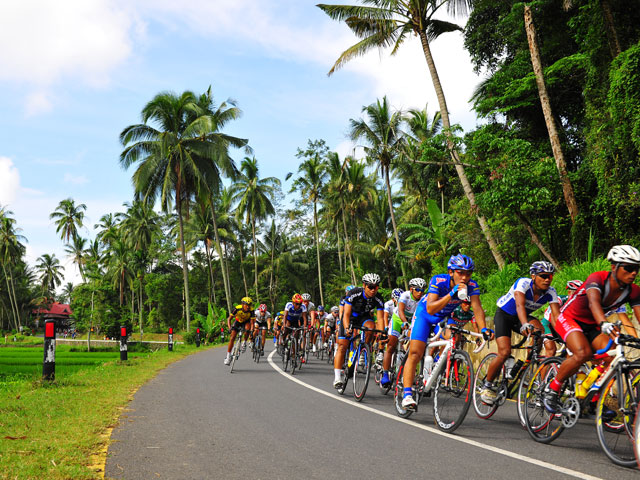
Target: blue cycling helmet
461, 262
541, 267
321, 308
396, 293
348, 288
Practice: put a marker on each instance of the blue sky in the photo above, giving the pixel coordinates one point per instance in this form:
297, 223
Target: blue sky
76, 72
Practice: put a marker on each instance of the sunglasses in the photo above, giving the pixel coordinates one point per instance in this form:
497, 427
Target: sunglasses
545, 276
630, 267
419, 290
372, 286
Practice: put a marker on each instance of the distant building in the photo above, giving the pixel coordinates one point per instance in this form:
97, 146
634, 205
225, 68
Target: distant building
59, 312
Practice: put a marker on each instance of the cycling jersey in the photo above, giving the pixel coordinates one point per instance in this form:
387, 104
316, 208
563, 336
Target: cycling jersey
409, 304
293, 314
310, 306
622, 309
262, 319
330, 321
241, 316
525, 285
440, 285
322, 316
390, 307
577, 307
460, 317
361, 305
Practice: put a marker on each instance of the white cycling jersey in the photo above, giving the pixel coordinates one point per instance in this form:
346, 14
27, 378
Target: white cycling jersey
262, 318
389, 307
525, 285
410, 304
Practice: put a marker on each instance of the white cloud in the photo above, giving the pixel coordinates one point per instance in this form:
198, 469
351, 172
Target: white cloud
75, 179
9, 181
37, 103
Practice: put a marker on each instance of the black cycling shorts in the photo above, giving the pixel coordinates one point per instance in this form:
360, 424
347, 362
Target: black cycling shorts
355, 322
504, 324
239, 325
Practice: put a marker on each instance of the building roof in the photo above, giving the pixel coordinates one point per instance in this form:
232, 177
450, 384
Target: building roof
57, 310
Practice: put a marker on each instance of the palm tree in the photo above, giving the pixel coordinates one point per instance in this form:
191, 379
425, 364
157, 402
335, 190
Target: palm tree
256, 196
11, 250
389, 23
67, 291
76, 252
384, 139
310, 183
50, 273
68, 218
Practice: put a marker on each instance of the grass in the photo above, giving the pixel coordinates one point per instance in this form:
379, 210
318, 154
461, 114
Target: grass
61, 430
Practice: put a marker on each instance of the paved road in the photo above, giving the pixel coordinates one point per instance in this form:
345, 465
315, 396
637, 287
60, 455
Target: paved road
195, 420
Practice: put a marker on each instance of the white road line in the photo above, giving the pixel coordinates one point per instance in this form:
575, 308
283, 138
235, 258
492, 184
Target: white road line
490, 448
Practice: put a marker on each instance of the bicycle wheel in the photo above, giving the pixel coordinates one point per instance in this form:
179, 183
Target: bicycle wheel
452, 393
294, 356
330, 351
286, 357
527, 375
636, 436
258, 347
615, 415
484, 410
362, 371
399, 393
543, 427
235, 352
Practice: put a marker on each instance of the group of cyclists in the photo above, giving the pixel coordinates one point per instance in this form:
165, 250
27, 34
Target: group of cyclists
579, 320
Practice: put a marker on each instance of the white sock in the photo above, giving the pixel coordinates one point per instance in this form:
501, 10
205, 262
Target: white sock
337, 373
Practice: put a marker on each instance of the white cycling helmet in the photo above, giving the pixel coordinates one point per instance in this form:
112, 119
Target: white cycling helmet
334, 309
371, 278
417, 282
624, 254
306, 296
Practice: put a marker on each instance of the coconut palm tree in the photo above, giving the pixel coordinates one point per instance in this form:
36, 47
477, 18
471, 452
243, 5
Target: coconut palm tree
67, 291
310, 183
11, 250
383, 139
68, 218
50, 273
388, 23
256, 196
76, 251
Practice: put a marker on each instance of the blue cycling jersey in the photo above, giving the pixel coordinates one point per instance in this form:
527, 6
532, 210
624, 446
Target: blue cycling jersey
441, 285
525, 285
292, 313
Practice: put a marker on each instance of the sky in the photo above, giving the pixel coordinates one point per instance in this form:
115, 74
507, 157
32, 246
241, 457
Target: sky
75, 73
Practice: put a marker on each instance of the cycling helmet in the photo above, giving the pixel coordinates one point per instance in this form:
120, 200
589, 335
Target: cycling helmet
574, 284
321, 308
624, 254
306, 296
348, 288
334, 309
246, 300
541, 267
297, 298
417, 282
396, 293
262, 308
371, 278
461, 262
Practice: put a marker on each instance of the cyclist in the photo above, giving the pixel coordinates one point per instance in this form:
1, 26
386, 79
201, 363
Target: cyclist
347, 289
550, 335
295, 315
582, 323
262, 320
390, 306
446, 291
329, 325
244, 316
407, 304
321, 317
277, 327
356, 314
514, 314
311, 316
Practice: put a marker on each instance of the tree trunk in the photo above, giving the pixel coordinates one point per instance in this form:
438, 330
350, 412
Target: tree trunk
255, 258
554, 137
15, 299
227, 286
244, 277
338, 242
271, 286
13, 309
466, 186
210, 279
184, 263
315, 225
395, 227
140, 308
90, 322
612, 34
536, 240
348, 247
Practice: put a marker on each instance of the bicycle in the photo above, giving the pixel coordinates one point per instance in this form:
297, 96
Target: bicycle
450, 379
619, 394
237, 349
291, 350
510, 381
331, 346
257, 348
397, 358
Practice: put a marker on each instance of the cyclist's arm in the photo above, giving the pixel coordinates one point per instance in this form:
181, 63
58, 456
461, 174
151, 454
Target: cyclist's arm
627, 324
304, 318
555, 312
380, 319
401, 307
435, 303
229, 321
595, 305
385, 318
478, 311
346, 315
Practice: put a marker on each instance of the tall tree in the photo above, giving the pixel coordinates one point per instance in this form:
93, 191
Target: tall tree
68, 218
76, 251
310, 183
50, 273
11, 250
255, 195
389, 23
381, 132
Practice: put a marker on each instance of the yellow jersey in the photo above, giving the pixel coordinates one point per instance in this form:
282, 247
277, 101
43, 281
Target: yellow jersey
241, 316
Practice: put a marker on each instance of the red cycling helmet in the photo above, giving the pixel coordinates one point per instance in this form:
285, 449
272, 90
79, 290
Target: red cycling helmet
262, 308
297, 298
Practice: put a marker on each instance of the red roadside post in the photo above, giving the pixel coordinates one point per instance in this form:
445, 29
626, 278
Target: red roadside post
49, 361
123, 344
170, 339
198, 337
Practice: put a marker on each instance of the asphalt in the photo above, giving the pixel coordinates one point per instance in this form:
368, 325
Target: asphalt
195, 420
